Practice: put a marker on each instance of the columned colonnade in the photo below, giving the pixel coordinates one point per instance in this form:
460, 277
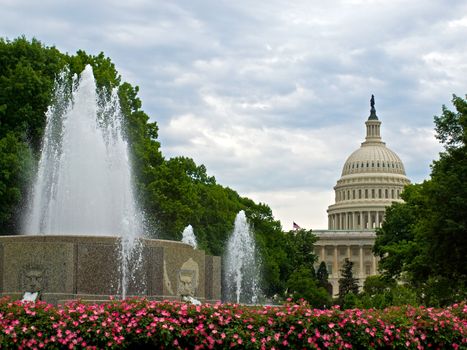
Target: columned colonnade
333, 248
356, 220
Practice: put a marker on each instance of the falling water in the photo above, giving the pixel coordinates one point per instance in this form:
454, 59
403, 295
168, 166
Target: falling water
241, 267
188, 237
84, 182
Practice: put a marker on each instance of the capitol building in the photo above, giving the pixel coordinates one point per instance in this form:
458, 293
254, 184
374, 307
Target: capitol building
372, 178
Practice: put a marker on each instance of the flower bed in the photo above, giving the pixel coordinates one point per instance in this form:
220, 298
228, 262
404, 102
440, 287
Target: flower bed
137, 323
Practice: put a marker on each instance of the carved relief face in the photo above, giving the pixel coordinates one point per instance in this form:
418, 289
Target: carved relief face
33, 280
188, 277
185, 285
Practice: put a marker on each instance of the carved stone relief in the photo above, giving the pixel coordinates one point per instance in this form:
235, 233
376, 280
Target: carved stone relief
188, 278
33, 279
167, 283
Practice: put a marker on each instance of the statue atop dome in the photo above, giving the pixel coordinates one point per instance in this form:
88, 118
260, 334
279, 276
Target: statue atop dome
372, 110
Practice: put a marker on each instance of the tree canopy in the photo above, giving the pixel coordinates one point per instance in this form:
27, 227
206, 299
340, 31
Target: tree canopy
424, 240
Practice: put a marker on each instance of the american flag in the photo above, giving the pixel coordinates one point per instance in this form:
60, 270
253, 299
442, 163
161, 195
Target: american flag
295, 226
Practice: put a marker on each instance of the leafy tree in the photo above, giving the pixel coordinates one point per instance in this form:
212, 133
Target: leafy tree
15, 168
322, 276
300, 245
424, 240
302, 284
377, 284
395, 241
347, 283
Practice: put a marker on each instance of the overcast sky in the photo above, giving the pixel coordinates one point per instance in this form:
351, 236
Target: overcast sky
272, 95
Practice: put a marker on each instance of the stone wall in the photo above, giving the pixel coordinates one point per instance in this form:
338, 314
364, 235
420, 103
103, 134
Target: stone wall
89, 268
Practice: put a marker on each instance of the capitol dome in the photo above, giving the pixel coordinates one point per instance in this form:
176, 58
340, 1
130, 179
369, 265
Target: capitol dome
372, 179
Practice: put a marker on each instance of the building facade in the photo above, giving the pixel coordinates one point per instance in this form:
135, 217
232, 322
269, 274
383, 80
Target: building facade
372, 178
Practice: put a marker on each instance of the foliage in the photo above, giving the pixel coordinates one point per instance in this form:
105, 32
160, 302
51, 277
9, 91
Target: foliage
139, 323
15, 166
380, 292
424, 240
322, 277
300, 244
377, 284
302, 284
347, 283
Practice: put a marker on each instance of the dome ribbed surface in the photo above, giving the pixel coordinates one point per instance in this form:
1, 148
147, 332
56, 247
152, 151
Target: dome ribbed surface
374, 158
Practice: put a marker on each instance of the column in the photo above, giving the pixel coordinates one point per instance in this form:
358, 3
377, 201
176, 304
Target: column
335, 268
323, 253
361, 262
349, 253
361, 220
354, 222
377, 219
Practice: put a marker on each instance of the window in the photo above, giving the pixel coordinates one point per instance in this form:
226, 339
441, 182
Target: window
367, 269
366, 193
360, 194
353, 194
380, 193
386, 193
329, 268
392, 193
373, 193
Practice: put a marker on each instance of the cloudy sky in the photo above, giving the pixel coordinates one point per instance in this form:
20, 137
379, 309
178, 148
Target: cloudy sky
272, 95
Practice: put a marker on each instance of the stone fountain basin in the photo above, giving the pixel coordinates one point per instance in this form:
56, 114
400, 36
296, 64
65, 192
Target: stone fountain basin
67, 267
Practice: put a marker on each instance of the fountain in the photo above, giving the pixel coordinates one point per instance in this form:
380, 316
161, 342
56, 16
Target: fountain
241, 267
84, 232
188, 237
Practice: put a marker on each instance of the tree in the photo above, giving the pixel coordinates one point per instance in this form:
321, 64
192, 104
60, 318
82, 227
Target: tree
322, 277
300, 244
15, 168
395, 241
347, 283
303, 285
425, 239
